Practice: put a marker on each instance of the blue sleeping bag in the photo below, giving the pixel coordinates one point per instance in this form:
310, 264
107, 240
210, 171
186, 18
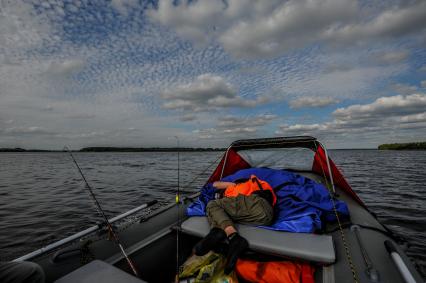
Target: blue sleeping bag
302, 204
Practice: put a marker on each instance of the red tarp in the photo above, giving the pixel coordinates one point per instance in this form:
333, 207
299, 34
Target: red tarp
235, 162
320, 167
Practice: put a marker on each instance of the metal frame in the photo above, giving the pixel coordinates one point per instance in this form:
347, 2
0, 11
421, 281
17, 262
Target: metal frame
278, 142
81, 234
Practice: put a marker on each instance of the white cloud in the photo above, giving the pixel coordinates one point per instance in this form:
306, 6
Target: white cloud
123, 6
188, 118
284, 27
21, 28
404, 88
102, 70
339, 84
205, 87
65, 68
192, 20
206, 92
80, 89
254, 121
391, 57
224, 133
394, 22
81, 116
395, 105
312, 102
254, 29
303, 128
206, 133
232, 127
25, 131
395, 113
240, 130
415, 118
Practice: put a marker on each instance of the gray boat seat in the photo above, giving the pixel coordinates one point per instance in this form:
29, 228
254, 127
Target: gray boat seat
98, 271
304, 246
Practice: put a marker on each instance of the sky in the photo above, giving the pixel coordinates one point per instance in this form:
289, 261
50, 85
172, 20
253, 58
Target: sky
138, 73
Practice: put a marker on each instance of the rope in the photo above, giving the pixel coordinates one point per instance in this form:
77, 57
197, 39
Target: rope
224, 162
330, 188
204, 171
342, 233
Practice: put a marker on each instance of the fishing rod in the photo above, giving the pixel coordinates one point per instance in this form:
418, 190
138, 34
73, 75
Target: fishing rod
178, 210
107, 222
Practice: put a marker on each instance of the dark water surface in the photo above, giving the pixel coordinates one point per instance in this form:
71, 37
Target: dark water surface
42, 197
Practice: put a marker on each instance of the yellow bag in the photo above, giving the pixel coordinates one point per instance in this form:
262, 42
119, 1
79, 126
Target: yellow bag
220, 277
207, 268
194, 263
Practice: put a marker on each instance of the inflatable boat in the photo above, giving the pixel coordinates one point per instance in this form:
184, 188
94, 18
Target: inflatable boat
356, 248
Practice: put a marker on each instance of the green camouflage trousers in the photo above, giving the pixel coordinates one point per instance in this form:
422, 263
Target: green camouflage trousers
244, 209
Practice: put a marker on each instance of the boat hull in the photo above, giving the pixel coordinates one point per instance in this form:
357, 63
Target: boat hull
151, 244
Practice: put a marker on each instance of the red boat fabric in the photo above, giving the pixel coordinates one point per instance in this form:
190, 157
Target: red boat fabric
234, 162
320, 167
275, 271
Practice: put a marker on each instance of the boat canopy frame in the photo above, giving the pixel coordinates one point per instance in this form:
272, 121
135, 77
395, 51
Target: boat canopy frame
322, 165
278, 142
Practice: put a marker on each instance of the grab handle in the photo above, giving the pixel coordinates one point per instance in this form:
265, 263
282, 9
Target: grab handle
402, 267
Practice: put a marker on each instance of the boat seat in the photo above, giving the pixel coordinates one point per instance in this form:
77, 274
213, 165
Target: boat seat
98, 271
304, 246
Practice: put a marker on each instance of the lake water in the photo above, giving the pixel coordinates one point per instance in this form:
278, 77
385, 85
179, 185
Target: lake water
42, 197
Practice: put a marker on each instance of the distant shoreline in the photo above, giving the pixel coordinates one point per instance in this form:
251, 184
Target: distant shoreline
147, 149
393, 146
403, 146
120, 149
134, 149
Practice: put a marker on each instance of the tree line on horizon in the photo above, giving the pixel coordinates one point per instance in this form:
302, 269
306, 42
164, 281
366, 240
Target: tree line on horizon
387, 146
403, 146
119, 149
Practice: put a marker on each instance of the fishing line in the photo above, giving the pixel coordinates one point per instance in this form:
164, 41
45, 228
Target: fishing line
100, 210
178, 210
204, 171
342, 233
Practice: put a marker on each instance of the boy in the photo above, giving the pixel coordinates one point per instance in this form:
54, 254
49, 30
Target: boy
250, 201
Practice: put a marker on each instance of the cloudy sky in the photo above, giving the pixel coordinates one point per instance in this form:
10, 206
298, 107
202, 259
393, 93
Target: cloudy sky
136, 73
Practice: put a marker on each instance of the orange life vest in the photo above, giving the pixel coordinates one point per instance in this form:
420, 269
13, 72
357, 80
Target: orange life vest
275, 271
249, 187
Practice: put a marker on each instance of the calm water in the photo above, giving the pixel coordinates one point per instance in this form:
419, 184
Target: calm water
42, 198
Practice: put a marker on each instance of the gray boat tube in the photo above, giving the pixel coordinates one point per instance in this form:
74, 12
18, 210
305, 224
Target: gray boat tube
371, 271
81, 234
400, 264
